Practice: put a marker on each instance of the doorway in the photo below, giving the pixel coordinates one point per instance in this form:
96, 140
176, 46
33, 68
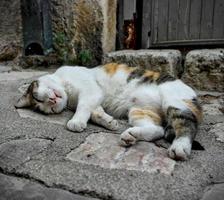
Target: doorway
37, 31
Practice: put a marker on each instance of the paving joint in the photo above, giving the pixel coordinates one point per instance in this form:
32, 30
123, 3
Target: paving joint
54, 186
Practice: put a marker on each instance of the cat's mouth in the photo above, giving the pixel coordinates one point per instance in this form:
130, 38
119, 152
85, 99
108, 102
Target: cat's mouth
53, 100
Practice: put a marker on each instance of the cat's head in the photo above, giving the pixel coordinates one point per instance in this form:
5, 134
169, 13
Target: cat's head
44, 95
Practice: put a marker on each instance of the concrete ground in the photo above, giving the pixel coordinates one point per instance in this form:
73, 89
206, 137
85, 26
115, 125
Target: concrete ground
40, 159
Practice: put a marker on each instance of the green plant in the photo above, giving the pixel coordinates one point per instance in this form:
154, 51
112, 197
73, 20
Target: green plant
84, 57
62, 46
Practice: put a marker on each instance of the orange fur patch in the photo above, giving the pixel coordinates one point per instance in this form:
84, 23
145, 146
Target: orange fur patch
151, 74
112, 68
146, 114
194, 109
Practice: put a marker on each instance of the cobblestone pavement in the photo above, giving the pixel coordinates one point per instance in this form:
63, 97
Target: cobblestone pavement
40, 159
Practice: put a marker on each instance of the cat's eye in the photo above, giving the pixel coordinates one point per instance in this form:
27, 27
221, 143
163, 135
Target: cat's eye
35, 98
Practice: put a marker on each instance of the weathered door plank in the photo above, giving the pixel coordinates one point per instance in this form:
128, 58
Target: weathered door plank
218, 30
207, 19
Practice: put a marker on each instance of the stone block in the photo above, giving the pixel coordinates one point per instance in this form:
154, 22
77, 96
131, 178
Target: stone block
103, 150
212, 102
204, 69
168, 61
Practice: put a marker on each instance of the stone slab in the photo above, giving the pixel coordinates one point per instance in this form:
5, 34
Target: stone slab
60, 119
168, 61
15, 152
12, 188
215, 192
102, 149
212, 102
14, 76
49, 166
5, 68
218, 131
204, 69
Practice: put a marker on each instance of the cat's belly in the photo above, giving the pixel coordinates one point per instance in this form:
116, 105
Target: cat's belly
119, 104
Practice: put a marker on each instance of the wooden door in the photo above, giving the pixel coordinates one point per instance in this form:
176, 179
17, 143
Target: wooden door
182, 22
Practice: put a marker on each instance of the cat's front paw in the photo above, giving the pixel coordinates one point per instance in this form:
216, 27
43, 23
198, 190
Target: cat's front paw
76, 125
127, 138
180, 149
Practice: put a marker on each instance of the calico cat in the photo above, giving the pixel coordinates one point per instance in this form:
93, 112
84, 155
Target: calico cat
149, 99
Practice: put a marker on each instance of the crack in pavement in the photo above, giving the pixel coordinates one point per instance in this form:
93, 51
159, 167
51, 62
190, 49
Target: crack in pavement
85, 193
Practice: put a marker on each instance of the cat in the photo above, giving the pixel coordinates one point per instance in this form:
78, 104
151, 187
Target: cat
147, 98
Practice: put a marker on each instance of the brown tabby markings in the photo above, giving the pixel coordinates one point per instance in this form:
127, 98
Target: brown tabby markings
112, 68
144, 76
146, 114
30, 90
29, 94
195, 108
151, 75
184, 123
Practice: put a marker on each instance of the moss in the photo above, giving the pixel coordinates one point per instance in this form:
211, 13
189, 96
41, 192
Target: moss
62, 46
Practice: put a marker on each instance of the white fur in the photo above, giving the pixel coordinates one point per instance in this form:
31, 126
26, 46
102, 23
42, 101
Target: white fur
173, 93
86, 90
180, 148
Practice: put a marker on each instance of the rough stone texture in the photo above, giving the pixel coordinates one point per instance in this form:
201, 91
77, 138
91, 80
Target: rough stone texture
12, 188
5, 69
38, 61
168, 61
213, 105
218, 130
104, 150
204, 69
10, 21
215, 192
88, 28
17, 151
56, 119
109, 10
12, 76
9, 51
212, 102
83, 30
10, 29
37, 150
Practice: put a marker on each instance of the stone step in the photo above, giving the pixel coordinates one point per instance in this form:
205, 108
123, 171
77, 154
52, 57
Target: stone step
159, 60
202, 69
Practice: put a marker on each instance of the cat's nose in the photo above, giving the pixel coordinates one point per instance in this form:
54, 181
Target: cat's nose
53, 100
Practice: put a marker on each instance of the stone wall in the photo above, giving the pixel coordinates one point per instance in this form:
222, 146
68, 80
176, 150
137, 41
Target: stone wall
84, 30
10, 29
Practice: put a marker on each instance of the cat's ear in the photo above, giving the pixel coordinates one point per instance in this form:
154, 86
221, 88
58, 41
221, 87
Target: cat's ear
23, 101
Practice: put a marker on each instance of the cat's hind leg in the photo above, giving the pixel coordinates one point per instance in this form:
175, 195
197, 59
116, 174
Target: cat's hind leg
99, 116
146, 126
